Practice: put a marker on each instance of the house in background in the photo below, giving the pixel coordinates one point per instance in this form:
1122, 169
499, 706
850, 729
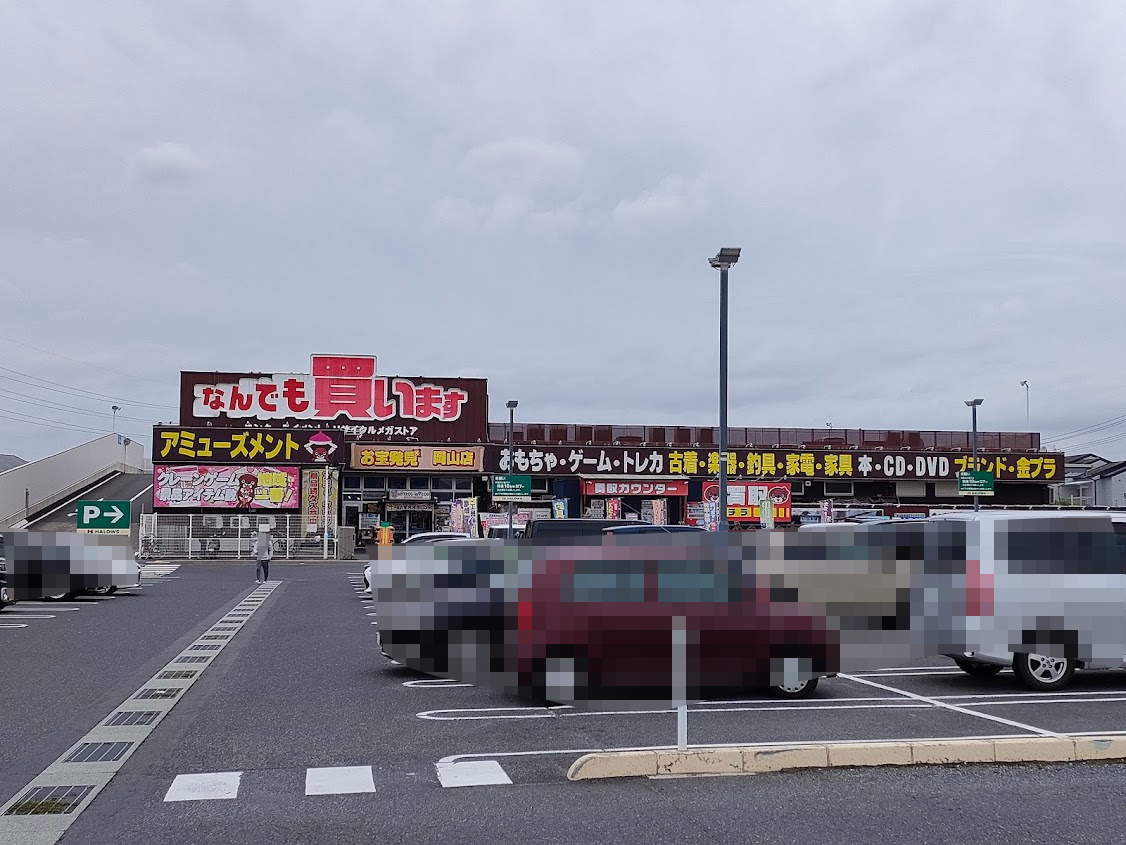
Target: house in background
10, 462
1092, 481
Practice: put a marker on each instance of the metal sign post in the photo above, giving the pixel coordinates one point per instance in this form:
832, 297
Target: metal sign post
326, 497
680, 679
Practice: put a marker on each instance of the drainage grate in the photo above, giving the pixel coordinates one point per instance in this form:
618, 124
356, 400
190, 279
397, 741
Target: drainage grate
204, 648
215, 637
158, 692
126, 718
190, 659
98, 752
49, 801
221, 628
177, 674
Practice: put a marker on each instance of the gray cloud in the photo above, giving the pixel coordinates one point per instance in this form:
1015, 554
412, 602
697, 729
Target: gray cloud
929, 197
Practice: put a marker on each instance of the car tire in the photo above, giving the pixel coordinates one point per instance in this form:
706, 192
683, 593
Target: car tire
978, 669
103, 591
1042, 673
60, 597
796, 691
562, 678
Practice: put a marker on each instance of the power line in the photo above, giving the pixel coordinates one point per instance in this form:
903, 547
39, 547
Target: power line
79, 361
1090, 429
58, 406
40, 422
76, 391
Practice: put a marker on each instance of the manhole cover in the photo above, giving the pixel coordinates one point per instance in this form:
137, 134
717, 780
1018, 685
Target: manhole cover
49, 801
98, 752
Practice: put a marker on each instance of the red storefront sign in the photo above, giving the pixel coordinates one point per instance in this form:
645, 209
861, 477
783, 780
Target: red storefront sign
344, 393
743, 500
635, 488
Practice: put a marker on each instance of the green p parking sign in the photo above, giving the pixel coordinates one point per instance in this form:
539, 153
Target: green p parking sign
103, 517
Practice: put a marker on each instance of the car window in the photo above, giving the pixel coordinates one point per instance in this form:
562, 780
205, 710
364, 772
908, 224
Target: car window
600, 581
1056, 550
691, 581
1119, 535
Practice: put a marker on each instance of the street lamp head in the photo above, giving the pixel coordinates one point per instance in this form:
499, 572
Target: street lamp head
727, 256
973, 403
1024, 382
115, 408
511, 403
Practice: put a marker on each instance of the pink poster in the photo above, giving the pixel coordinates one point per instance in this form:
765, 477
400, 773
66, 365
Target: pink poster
231, 487
613, 508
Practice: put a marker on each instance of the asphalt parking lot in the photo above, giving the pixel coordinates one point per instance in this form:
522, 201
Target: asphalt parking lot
299, 730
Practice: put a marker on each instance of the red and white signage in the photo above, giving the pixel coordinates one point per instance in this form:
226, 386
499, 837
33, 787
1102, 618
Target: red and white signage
743, 499
336, 386
593, 487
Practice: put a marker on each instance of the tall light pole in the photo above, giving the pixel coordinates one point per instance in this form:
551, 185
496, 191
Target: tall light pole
511, 405
973, 405
115, 409
723, 262
1027, 414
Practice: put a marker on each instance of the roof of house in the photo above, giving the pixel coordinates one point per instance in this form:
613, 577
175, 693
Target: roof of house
10, 462
1086, 458
1105, 471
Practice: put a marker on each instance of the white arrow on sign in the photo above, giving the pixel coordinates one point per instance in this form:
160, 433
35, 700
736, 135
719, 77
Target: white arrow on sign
115, 512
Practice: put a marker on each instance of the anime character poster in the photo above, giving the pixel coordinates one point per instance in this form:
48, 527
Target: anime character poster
227, 487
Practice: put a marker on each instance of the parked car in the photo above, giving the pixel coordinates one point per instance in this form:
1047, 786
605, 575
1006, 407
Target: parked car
1048, 591
4, 595
500, 532
571, 527
646, 528
433, 536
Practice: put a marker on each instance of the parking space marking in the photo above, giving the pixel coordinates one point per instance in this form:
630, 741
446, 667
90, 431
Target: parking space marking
18, 625
489, 714
435, 683
159, 695
212, 786
339, 780
472, 773
934, 702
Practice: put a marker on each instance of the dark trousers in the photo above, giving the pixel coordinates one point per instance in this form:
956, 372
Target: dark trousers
263, 572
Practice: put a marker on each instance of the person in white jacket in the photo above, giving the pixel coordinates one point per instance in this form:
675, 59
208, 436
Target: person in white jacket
263, 553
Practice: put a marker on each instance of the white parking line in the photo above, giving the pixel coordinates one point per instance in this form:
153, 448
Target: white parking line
19, 625
435, 683
472, 773
556, 712
211, 786
339, 780
934, 702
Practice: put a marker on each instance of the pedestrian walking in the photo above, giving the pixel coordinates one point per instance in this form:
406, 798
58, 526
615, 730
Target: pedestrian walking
263, 553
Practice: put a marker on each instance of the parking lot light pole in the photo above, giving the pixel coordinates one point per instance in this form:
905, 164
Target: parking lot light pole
723, 262
511, 405
1027, 414
973, 406
115, 409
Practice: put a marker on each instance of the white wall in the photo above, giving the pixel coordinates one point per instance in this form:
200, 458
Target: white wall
1112, 491
51, 480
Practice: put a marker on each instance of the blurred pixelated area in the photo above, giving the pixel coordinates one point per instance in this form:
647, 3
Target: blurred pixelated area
41, 563
590, 621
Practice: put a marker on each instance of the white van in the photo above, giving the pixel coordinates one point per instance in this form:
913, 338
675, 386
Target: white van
1047, 592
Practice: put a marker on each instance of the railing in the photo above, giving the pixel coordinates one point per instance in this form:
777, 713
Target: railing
30, 488
174, 536
763, 438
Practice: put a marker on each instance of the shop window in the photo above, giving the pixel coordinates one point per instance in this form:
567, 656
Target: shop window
351, 497
351, 482
443, 497
539, 483
463, 485
397, 482
419, 482
441, 482
374, 482
838, 488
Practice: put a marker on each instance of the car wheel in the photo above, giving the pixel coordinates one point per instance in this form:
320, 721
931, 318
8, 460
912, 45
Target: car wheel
1043, 673
801, 690
973, 667
562, 678
61, 597
104, 591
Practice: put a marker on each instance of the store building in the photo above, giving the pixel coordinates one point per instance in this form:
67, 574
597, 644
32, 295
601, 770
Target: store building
408, 450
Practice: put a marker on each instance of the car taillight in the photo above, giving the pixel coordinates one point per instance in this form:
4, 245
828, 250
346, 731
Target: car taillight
979, 590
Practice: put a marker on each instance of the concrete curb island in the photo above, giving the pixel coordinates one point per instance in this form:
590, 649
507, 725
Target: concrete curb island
759, 759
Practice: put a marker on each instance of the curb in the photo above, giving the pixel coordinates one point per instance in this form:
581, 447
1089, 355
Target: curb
759, 759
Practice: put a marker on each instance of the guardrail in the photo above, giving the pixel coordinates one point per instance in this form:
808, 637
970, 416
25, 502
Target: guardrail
28, 489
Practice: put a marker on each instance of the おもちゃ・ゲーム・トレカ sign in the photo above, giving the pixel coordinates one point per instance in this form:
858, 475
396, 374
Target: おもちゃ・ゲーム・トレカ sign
771, 464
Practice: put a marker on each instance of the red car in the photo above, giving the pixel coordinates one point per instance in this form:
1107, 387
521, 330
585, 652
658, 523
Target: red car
602, 631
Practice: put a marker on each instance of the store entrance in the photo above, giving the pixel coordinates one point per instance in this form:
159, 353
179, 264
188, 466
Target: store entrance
408, 523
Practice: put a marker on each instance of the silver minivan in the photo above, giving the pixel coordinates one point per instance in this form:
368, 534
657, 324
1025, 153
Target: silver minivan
1046, 593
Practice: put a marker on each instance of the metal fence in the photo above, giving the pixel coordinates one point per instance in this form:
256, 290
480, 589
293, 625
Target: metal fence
176, 536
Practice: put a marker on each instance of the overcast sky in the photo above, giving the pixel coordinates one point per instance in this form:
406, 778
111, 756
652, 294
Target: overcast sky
930, 198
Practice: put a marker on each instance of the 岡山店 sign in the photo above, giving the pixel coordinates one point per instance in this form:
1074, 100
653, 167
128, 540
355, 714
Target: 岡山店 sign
774, 464
103, 517
248, 446
975, 483
512, 485
417, 458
